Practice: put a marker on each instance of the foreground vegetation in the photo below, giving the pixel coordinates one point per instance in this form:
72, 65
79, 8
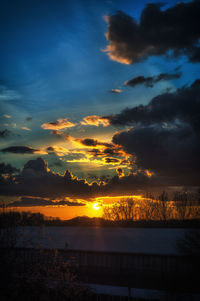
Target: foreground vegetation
45, 279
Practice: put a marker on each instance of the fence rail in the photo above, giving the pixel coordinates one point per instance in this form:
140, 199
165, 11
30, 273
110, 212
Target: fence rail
152, 271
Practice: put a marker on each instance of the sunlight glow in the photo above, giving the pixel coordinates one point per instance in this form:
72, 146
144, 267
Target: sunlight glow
96, 206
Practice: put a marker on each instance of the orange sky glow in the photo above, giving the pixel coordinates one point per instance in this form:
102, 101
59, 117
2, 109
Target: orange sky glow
91, 209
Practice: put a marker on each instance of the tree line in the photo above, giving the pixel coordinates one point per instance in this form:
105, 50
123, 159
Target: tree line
181, 206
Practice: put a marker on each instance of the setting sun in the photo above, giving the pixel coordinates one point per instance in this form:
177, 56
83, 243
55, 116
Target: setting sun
96, 206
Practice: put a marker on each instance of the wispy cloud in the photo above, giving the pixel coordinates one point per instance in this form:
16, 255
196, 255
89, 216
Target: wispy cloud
25, 128
7, 116
7, 94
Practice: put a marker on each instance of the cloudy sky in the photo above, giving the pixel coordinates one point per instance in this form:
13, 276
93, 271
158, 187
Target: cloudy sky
98, 98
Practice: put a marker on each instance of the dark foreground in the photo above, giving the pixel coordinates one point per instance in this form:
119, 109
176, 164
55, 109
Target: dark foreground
74, 267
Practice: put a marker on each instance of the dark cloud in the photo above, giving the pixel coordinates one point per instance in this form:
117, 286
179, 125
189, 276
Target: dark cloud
35, 166
172, 153
36, 180
95, 152
7, 169
102, 178
19, 150
182, 105
32, 202
4, 133
113, 151
57, 151
93, 142
151, 80
61, 135
50, 149
89, 142
165, 137
29, 118
131, 184
111, 160
174, 31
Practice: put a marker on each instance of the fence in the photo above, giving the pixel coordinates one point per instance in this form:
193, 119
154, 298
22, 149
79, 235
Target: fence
153, 271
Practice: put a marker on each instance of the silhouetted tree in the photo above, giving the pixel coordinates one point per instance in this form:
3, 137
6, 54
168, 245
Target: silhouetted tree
187, 205
123, 210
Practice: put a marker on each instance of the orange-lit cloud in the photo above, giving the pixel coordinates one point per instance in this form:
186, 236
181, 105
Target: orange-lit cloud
116, 198
59, 124
112, 51
95, 152
37, 201
88, 159
25, 128
120, 172
116, 91
95, 120
58, 150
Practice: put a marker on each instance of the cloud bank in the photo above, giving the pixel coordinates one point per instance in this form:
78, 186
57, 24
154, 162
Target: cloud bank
165, 136
183, 105
37, 180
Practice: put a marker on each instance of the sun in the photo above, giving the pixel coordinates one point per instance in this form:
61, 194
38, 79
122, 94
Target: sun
95, 206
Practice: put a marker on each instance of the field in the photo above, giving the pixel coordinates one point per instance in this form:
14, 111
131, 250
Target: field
139, 240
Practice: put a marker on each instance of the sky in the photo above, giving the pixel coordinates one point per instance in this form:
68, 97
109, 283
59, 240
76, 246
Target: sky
98, 99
